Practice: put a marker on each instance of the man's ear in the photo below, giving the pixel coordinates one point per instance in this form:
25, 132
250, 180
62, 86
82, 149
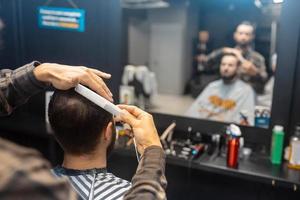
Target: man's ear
234, 35
108, 132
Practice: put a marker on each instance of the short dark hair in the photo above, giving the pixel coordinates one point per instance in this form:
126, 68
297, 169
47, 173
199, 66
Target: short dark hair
231, 54
247, 23
77, 122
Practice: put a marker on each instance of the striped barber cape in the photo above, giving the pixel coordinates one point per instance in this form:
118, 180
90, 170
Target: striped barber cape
94, 184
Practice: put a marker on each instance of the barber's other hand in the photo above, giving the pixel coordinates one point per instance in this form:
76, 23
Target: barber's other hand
202, 58
236, 52
249, 68
143, 126
64, 77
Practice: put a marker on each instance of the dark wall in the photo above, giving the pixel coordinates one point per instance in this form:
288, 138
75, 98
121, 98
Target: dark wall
99, 46
9, 48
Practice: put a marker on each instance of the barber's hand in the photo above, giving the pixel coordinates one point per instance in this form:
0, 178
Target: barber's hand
202, 58
143, 126
234, 51
228, 50
249, 68
64, 77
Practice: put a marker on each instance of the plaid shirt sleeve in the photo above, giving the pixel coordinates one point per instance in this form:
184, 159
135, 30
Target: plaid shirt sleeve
149, 182
16, 86
257, 81
214, 56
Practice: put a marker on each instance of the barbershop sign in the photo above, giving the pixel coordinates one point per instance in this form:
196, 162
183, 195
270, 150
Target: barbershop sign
71, 19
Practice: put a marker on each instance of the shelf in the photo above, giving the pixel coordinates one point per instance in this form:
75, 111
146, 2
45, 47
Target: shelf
256, 168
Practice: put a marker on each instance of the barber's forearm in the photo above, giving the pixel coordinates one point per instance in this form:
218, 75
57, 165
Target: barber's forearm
149, 182
30, 84
258, 82
17, 86
214, 56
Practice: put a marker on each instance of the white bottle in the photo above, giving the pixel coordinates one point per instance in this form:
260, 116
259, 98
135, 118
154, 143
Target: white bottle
294, 151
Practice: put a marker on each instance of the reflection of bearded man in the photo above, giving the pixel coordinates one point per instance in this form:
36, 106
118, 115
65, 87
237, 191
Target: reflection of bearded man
229, 68
225, 99
244, 35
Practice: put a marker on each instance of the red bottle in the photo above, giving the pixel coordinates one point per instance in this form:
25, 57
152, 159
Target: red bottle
233, 146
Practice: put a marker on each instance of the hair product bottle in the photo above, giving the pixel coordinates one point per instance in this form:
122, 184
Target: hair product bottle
277, 144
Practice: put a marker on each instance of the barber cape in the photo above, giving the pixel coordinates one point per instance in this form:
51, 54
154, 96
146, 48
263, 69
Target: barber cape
232, 102
94, 184
265, 99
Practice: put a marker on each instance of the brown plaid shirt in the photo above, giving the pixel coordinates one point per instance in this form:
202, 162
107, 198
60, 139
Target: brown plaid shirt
16, 86
24, 174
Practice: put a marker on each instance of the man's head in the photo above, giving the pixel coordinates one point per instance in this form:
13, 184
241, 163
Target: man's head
203, 36
229, 67
244, 34
79, 125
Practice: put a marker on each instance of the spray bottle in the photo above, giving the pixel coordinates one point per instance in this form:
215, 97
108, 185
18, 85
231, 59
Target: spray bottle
233, 145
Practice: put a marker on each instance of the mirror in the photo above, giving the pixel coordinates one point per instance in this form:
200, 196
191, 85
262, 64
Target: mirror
210, 59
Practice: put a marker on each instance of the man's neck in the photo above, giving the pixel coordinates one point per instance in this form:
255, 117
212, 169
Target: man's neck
229, 82
244, 49
83, 162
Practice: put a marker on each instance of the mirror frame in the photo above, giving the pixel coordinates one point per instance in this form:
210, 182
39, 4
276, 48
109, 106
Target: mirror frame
287, 49
289, 31
285, 75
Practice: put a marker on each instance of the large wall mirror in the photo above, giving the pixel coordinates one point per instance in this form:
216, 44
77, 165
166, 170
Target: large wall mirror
212, 59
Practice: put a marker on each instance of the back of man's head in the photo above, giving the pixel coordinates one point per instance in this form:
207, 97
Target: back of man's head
76, 121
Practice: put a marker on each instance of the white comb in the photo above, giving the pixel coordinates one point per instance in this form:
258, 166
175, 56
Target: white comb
98, 100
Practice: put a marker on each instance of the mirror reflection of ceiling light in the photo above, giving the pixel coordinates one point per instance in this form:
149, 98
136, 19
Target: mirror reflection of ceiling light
278, 1
258, 3
144, 4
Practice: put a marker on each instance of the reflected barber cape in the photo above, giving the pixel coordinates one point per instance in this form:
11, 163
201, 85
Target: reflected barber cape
222, 102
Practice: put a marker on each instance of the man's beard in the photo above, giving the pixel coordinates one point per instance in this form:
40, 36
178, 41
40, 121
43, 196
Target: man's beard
228, 79
110, 147
243, 45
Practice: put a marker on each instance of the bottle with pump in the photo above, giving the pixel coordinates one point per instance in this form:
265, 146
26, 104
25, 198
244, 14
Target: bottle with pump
277, 144
294, 150
233, 145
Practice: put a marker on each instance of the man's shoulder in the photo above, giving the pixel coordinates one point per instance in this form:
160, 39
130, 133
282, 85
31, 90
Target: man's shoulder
244, 86
104, 185
256, 55
60, 171
215, 84
19, 156
22, 169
